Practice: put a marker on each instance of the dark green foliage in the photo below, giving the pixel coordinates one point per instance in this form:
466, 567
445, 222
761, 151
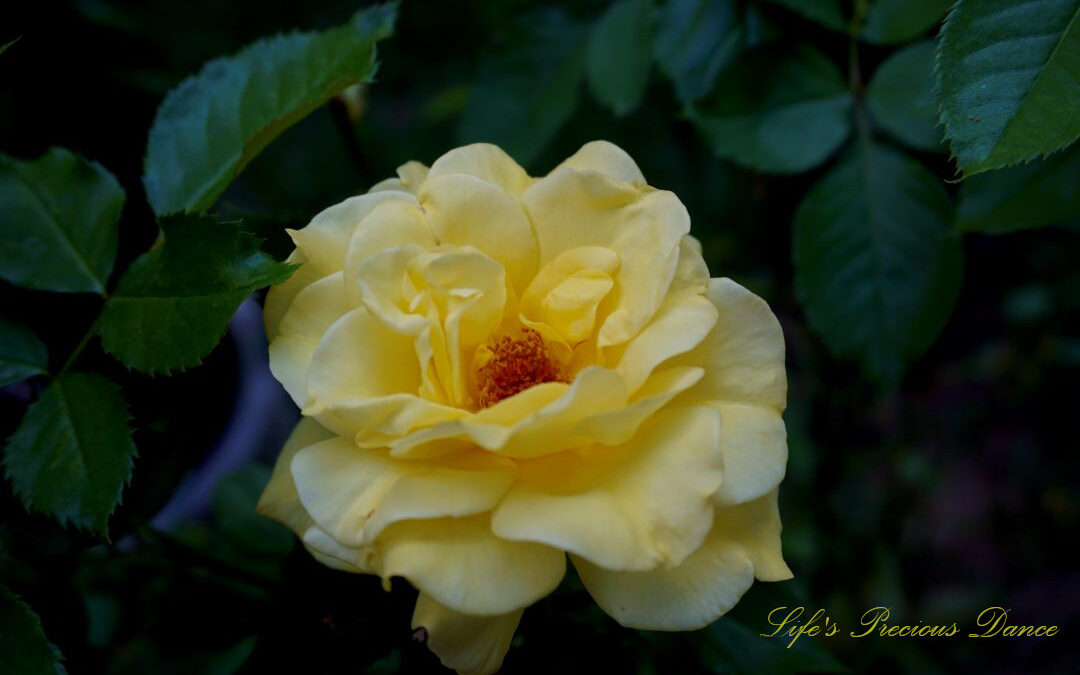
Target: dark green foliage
875, 265
24, 648
525, 91
901, 97
172, 305
760, 110
21, 353
618, 59
695, 40
72, 454
58, 215
209, 128
1023, 197
1006, 74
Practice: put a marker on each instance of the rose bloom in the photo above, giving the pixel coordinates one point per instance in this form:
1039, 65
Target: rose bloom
496, 371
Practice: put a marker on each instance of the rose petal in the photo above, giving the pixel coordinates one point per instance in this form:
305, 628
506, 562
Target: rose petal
471, 645
743, 356
571, 209
470, 211
644, 505
754, 445
680, 324
326, 238
486, 161
463, 566
744, 541
608, 159
279, 499
315, 308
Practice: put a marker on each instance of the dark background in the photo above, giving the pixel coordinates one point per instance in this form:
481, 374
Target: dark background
954, 493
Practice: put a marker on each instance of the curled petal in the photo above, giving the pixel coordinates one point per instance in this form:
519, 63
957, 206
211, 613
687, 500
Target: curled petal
485, 161
462, 565
606, 158
744, 541
314, 310
326, 238
620, 507
570, 209
409, 177
754, 445
354, 493
743, 355
468, 211
471, 645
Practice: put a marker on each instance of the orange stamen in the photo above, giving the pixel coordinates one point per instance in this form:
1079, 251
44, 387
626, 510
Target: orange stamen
516, 364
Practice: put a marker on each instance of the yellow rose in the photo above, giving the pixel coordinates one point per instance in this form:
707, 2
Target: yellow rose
496, 371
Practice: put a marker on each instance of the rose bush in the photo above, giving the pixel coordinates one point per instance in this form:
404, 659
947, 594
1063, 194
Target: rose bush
496, 371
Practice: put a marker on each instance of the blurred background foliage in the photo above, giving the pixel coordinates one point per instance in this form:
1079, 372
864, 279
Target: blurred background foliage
933, 324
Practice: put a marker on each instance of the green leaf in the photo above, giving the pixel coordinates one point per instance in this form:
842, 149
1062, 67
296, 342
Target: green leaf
24, 649
72, 453
825, 12
21, 353
1007, 78
1023, 197
695, 41
173, 304
523, 93
901, 97
58, 219
616, 65
894, 21
778, 109
875, 267
731, 647
7, 45
214, 123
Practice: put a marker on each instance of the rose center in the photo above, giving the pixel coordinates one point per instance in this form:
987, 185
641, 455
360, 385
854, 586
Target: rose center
513, 364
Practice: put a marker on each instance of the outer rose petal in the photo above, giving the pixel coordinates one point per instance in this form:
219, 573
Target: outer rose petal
312, 312
570, 208
471, 645
486, 161
462, 565
354, 493
607, 158
279, 298
638, 507
462, 208
279, 499
326, 238
743, 356
409, 177
755, 452
744, 538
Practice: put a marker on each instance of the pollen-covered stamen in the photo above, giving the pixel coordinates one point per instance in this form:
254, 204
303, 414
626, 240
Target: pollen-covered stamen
514, 364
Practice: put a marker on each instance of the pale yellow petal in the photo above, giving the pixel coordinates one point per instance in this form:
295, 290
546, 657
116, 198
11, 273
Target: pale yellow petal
326, 238
279, 499
680, 324
571, 209
743, 356
743, 543
463, 566
688, 597
309, 316
469, 211
331, 553
608, 159
389, 224
358, 358
470, 645
354, 493
486, 161
755, 527
409, 177
279, 297
637, 507
754, 444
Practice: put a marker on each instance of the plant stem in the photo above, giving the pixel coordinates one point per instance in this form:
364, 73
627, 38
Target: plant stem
82, 344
